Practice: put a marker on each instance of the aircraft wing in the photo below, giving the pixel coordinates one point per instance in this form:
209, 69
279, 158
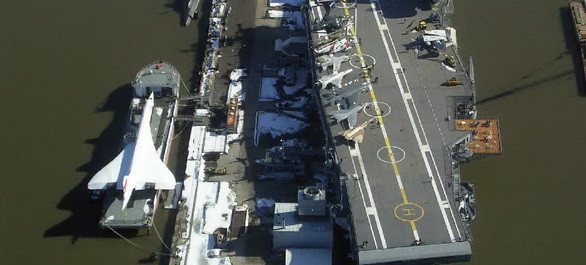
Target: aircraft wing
338, 62
343, 90
352, 117
353, 97
324, 61
350, 114
337, 81
150, 169
114, 171
338, 115
147, 166
336, 66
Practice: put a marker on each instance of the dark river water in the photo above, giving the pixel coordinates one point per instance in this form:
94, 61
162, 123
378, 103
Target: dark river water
531, 201
65, 63
64, 67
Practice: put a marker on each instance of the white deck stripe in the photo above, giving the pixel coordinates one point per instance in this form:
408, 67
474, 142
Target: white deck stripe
374, 4
363, 200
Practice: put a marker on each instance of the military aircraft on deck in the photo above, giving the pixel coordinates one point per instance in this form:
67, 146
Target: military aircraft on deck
346, 114
326, 61
350, 92
335, 79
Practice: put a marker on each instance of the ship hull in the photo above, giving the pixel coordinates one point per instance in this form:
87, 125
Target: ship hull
140, 212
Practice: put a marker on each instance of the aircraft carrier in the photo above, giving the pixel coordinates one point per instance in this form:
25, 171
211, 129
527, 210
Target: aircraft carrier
398, 109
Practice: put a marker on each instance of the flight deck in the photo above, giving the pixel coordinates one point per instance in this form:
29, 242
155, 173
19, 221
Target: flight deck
389, 114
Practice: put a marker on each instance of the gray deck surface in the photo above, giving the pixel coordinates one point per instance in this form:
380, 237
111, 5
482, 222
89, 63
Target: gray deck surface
416, 123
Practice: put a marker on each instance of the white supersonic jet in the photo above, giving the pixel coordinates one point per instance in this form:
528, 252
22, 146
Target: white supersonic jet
138, 166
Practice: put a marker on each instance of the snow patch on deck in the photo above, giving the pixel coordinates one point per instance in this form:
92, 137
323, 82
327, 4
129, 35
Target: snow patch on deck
209, 207
302, 75
268, 90
278, 124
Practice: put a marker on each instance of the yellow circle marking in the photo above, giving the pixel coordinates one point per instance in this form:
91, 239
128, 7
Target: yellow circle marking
409, 212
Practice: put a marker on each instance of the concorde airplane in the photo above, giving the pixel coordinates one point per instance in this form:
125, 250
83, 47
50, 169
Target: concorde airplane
138, 166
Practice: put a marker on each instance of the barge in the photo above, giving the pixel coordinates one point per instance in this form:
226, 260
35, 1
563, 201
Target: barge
579, 22
133, 181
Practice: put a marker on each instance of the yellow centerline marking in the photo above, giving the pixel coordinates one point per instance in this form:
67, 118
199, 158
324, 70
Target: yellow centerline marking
404, 195
378, 114
413, 227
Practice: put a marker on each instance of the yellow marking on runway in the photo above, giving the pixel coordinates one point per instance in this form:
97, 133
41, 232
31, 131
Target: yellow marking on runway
396, 169
407, 212
372, 95
413, 227
388, 144
404, 196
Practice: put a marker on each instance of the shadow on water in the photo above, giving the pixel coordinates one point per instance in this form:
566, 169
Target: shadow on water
533, 84
179, 7
527, 86
573, 48
85, 213
199, 45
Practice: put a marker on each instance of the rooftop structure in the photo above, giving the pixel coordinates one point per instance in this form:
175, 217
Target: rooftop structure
312, 201
292, 230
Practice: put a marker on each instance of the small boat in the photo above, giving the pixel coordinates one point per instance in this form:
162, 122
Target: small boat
190, 11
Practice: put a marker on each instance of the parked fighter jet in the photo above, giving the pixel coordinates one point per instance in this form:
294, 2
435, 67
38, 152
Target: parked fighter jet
335, 79
351, 93
138, 164
326, 61
354, 86
333, 46
346, 114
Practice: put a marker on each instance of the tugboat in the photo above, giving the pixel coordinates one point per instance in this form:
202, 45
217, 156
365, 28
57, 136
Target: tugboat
132, 183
